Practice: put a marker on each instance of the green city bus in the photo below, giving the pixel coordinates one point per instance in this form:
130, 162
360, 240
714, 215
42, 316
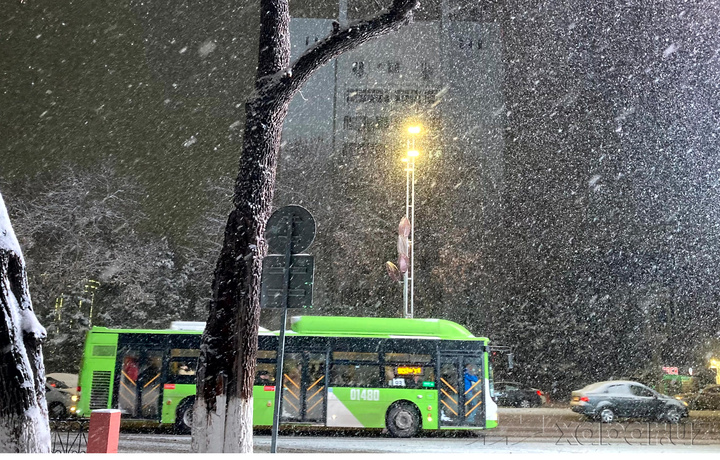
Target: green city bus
405, 375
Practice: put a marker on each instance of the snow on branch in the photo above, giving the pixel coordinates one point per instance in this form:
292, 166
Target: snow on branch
23, 409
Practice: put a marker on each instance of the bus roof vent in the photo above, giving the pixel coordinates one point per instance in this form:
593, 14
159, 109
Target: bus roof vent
187, 325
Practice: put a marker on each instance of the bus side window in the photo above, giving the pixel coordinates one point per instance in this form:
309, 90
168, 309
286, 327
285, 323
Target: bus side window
409, 375
182, 370
354, 375
265, 374
183, 365
410, 370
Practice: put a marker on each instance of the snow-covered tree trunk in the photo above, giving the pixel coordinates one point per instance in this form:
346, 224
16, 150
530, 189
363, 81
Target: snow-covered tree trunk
24, 423
222, 420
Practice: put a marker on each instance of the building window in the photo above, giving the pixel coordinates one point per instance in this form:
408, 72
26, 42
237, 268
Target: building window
360, 96
358, 68
470, 44
426, 70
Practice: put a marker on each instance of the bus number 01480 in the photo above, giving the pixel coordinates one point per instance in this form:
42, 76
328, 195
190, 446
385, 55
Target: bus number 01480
356, 394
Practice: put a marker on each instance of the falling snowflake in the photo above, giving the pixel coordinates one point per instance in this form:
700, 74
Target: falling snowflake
206, 48
670, 50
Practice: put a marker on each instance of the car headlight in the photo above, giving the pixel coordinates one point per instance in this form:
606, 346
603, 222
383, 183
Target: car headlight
74, 398
684, 403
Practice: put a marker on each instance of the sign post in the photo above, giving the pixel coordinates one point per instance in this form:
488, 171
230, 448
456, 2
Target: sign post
287, 280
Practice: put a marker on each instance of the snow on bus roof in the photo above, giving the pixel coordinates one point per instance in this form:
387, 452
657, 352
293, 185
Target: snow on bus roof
197, 326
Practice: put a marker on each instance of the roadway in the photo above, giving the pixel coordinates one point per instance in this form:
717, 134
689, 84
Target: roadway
534, 430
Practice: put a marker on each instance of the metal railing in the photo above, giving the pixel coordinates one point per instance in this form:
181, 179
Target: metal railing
69, 436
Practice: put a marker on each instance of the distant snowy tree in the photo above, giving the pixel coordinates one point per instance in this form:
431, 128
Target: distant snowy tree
202, 245
223, 407
92, 263
24, 423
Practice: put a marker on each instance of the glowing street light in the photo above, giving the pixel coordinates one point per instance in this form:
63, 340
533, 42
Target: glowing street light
406, 230
409, 278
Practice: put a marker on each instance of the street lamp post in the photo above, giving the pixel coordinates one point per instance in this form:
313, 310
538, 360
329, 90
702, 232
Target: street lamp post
409, 278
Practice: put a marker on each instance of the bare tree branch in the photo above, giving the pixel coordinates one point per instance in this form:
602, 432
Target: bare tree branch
283, 85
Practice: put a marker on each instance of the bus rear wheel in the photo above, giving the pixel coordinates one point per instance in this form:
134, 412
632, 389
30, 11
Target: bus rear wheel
184, 415
403, 420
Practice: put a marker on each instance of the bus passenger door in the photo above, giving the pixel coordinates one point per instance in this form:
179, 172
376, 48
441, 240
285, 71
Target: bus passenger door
449, 392
303, 387
140, 383
461, 391
314, 388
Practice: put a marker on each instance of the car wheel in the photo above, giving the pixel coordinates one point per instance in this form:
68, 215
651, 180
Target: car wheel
56, 410
607, 415
672, 415
184, 416
525, 403
402, 420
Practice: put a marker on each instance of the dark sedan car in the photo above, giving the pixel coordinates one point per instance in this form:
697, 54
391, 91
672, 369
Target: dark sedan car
707, 398
620, 398
517, 395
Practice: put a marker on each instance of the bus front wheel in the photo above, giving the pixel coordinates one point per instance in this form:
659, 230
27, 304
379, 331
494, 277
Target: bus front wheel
184, 415
403, 420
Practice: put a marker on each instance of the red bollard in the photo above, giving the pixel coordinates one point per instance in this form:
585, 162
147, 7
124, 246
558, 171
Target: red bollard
104, 431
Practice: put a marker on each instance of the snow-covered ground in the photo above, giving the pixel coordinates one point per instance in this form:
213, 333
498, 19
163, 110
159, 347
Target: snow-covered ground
147, 443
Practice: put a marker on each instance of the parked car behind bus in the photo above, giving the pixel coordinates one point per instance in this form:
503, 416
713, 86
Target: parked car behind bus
60, 404
61, 394
609, 400
518, 395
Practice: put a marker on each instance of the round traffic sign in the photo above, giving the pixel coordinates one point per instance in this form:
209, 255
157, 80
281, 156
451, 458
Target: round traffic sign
303, 229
